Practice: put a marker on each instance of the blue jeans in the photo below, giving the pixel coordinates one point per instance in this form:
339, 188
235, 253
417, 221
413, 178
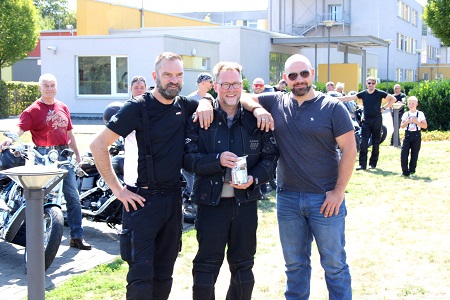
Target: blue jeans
70, 192
299, 221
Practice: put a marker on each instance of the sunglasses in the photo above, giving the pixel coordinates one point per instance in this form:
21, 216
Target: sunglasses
303, 74
137, 78
258, 85
371, 83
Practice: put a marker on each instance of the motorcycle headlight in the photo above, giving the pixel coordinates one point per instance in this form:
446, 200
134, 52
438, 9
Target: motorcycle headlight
53, 156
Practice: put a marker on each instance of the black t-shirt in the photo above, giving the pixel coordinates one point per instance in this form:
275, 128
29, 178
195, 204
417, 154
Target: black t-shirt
372, 102
400, 98
167, 127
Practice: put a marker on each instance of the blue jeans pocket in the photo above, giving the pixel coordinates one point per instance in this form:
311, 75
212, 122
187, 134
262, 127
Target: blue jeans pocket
126, 245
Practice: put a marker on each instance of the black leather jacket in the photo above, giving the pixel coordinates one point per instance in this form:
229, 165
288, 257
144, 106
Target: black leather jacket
203, 149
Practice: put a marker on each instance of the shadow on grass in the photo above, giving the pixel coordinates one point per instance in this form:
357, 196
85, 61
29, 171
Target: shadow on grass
390, 174
267, 205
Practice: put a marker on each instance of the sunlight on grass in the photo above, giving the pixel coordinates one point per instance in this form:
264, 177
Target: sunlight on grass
397, 240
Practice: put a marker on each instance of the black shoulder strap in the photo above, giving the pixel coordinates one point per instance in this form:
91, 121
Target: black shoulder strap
147, 142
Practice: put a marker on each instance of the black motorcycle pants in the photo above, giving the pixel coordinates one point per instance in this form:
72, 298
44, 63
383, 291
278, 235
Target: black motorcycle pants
371, 128
149, 242
218, 226
411, 144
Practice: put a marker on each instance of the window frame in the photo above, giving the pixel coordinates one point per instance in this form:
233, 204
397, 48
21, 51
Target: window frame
113, 73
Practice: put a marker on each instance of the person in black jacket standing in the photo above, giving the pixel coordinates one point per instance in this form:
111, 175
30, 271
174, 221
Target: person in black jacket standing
373, 120
227, 212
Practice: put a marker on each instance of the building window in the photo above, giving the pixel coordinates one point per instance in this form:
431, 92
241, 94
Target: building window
399, 76
102, 75
195, 62
409, 75
400, 41
335, 12
414, 17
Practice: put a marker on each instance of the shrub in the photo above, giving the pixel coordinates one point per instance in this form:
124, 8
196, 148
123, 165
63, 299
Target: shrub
20, 95
434, 101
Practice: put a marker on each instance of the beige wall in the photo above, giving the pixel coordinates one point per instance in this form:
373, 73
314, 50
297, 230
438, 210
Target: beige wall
431, 70
346, 73
96, 18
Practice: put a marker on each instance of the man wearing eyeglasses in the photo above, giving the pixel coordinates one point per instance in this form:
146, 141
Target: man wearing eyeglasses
311, 178
258, 86
151, 225
227, 212
373, 120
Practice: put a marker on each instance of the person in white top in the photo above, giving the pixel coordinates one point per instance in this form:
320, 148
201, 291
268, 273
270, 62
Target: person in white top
204, 83
413, 120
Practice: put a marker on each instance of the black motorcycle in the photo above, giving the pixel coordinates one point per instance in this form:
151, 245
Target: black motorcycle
13, 204
358, 121
97, 200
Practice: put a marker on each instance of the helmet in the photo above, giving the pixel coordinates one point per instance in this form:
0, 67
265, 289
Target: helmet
117, 164
8, 160
111, 110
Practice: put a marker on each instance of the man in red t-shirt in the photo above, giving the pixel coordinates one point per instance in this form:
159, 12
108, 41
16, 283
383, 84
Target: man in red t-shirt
49, 122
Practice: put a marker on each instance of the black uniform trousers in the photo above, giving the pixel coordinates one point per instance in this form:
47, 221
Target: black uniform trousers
218, 226
411, 144
371, 128
150, 242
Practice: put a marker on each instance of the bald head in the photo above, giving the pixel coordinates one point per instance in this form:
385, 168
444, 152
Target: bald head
258, 85
296, 58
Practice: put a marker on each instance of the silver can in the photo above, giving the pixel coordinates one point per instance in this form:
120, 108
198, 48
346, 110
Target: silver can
239, 173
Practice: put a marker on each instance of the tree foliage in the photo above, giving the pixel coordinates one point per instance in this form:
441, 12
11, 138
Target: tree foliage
55, 14
436, 16
18, 30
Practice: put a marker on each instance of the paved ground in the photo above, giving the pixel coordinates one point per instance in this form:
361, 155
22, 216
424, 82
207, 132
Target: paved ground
69, 261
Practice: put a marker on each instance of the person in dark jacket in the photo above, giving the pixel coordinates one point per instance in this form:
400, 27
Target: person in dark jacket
227, 212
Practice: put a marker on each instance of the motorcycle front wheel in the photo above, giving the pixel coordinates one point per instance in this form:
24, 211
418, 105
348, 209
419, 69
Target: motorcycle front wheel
53, 232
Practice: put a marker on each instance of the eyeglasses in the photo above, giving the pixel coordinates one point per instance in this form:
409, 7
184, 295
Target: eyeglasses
227, 85
258, 85
303, 74
137, 78
371, 83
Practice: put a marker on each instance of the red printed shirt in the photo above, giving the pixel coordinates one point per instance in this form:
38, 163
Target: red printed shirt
48, 124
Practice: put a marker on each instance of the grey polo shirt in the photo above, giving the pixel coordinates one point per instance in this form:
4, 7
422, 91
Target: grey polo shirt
306, 138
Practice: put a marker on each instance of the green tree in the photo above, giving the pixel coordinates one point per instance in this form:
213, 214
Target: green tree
18, 30
55, 14
436, 15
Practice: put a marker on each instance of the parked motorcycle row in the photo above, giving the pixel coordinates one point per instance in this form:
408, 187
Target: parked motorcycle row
97, 200
13, 203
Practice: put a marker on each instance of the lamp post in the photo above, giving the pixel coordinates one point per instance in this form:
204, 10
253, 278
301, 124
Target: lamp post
36, 181
418, 51
389, 41
438, 57
396, 106
329, 24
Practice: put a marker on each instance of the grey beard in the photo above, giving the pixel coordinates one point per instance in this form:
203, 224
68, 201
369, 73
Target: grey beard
167, 94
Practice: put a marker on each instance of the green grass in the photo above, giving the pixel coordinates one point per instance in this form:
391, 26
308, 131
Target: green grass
397, 236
